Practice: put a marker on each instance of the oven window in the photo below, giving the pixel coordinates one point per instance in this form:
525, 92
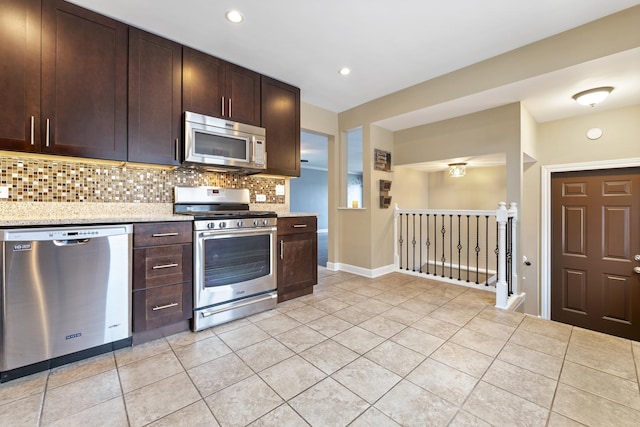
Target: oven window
220, 145
232, 260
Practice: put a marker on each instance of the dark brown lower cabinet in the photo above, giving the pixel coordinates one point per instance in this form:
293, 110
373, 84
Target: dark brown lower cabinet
162, 279
297, 256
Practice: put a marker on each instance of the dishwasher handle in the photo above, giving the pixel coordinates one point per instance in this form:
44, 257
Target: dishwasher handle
71, 242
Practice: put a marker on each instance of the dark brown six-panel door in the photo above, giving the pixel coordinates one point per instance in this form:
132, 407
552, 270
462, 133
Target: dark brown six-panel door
595, 239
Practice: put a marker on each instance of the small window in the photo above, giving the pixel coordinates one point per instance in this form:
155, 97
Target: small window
354, 168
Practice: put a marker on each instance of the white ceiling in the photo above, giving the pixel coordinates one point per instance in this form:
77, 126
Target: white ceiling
391, 45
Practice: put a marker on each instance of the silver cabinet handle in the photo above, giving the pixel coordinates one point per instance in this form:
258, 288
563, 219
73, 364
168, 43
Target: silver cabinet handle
164, 234
300, 225
281, 249
177, 149
162, 307
223, 106
229, 107
158, 267
47, 140
33, 124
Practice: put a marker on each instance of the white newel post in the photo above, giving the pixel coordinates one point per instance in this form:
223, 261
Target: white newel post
513, 213
395, 236
502, 289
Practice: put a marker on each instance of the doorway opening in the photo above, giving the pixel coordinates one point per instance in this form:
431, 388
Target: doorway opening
310, 192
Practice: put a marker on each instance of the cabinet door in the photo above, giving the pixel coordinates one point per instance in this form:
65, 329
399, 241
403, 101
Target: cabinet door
155, 104
297, 266
20, 75
242, 95
84, 83
203, 83
281, 119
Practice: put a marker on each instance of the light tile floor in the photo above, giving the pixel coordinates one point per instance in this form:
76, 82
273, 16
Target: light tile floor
397, 350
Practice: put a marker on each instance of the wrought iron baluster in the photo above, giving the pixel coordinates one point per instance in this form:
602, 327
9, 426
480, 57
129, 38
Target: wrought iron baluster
468, 247
509, 257
459, 247
420, 260
435, 244
413, 242
400, 241
444, 232
486, 257
477, 247
407, 267
497, 252
428, 243
450, 246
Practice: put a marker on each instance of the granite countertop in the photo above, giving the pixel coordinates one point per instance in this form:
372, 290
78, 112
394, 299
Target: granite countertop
295, 214
23, 214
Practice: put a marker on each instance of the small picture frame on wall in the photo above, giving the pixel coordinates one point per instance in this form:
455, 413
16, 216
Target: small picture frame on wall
381, 160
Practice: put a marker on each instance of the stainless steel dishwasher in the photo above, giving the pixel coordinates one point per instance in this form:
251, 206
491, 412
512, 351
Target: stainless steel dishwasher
65, 294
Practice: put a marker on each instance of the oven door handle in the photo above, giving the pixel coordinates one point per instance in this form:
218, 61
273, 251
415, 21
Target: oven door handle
262, 230
252, 301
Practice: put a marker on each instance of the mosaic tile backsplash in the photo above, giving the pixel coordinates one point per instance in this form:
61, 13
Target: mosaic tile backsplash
52, 180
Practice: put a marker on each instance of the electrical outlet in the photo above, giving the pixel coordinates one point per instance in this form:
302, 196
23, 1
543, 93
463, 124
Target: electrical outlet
279, 190
261, 198
4, 192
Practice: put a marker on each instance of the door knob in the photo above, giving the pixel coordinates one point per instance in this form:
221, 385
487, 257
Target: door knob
636, 270
637, 257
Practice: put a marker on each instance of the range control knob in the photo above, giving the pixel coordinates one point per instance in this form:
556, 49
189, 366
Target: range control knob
223, 224
240, 224
265, 222
256, 222
211, 225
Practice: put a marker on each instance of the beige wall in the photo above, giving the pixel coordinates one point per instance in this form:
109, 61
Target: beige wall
410, 188
481, 189
487, 132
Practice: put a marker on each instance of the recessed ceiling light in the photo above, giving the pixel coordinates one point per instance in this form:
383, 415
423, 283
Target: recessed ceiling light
234, 16
344, 71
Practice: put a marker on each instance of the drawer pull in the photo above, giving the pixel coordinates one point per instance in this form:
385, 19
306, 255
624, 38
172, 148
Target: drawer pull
300, 225
158, 267
164, 234
162, 307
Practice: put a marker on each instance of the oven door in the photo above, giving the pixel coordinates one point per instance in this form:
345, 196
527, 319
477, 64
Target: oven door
232, 265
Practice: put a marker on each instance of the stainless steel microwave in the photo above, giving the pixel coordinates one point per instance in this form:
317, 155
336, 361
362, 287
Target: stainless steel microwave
223, 145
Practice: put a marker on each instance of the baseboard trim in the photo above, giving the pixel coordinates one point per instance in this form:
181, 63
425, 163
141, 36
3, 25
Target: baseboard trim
364, 272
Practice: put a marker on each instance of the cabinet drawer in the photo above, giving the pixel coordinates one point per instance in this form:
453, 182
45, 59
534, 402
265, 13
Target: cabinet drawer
161, 265
294, 225
162, 233
160, 306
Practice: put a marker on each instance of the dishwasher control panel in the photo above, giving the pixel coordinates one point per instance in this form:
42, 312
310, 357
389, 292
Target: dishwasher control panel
64, 233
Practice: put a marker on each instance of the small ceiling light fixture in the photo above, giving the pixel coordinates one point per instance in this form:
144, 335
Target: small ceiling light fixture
457, 170
234, 16
593, 96
344, 71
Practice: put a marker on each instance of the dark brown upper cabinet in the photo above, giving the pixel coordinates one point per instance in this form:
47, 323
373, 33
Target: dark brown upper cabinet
281, 119
20, 75
217, 88
84, 83
155, 102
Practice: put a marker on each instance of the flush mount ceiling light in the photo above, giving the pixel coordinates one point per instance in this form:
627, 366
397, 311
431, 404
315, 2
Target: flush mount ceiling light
457, 170
344, 71
593, 96
234, 16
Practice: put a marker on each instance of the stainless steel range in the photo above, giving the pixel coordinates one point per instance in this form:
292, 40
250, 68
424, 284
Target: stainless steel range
234, 254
